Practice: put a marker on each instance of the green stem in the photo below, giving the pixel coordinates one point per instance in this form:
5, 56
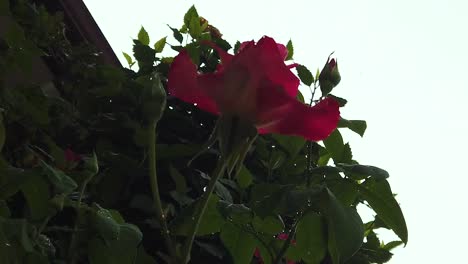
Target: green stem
73, 241
219, 171
286, 244
43, 225
155, 190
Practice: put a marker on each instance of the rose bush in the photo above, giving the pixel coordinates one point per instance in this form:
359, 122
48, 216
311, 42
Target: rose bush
181, 197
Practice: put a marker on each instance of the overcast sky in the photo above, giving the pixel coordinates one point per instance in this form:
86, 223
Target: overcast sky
403, 67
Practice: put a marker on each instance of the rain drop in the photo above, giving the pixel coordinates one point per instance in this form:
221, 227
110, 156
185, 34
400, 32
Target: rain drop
189, 112
110, 100
195, 104
273, 146
170, 107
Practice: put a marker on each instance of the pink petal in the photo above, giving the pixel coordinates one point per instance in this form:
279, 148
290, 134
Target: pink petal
278, 113
271, 61
258, 255
245, 44
282, 50
185, 84
71, 156
282, 236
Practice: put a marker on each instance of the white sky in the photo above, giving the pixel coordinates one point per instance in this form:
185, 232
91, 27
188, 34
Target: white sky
403, 71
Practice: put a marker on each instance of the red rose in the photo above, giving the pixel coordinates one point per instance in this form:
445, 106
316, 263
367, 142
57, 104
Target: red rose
72, 156
256, 85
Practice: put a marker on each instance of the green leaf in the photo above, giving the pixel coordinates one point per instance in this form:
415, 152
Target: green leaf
61, 182
36, 193
335, 146
2, 132
393, 244
176, 151
327, 171
244, 177
159, 45
267, 199
105, 224
90, 167
194, 51
4, 7
144, 55
11, 180
239, 243
290, 48
128, 59
358, 126
223, 192
344, 190
341, 101
179, 180
143, 36
380, 197
238, 213
122, 250
298, 199
311, 238
189, 15
359, 258
345, 228
195, 28
271, 225
300, 97
211, 221
176, 33
305, 75
292, 144
4, 209
360, 172
143, 257
214, 248
18, 230
236, 47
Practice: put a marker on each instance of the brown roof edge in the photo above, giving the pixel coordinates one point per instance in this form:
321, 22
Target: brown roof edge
84, 22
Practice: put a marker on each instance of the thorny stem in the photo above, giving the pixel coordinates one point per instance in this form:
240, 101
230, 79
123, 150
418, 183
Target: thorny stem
309, 144
313, 93
155, 190
219, 171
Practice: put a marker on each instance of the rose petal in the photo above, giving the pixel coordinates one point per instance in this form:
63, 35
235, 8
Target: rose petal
271, 61
71, 156
245, 44
278, 113
185, 84
282, 50
282, 236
